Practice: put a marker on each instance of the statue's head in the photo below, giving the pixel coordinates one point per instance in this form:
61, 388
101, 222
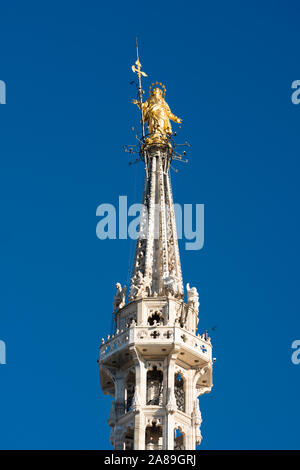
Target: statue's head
157, 92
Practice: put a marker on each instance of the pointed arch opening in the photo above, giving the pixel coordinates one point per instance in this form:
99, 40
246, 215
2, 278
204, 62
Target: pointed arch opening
129, 390
129, 439
154, 436
179, 391
179, 439
154, 387
155, 318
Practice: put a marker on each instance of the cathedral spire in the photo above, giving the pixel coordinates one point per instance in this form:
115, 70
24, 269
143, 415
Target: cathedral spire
156, 269
155, 366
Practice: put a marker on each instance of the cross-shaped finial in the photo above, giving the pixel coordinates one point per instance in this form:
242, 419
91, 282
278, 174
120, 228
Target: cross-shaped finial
138, 67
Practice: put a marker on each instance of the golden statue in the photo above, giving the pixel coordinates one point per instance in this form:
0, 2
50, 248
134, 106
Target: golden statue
157, 115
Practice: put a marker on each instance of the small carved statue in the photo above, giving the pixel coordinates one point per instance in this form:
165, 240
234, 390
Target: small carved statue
171, 284
192, 297
120, 297
140, 286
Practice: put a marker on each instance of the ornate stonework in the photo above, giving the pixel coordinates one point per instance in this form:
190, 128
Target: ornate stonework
156, 366
157, 269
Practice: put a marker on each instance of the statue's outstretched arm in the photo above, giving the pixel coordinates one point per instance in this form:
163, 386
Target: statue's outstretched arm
136, 102
172, 116
144, 105
175, 118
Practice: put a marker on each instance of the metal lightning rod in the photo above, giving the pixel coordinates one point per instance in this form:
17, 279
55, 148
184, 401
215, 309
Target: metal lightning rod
140, 89
140, 73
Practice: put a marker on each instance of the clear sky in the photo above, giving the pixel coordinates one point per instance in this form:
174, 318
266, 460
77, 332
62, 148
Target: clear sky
228, 67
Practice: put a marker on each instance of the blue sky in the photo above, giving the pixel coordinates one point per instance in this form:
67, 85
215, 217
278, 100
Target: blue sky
228, 68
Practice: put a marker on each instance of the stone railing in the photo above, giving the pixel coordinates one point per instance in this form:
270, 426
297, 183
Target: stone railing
114, 342
152, 334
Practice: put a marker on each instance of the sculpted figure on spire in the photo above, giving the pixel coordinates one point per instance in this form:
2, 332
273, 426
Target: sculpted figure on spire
157, 115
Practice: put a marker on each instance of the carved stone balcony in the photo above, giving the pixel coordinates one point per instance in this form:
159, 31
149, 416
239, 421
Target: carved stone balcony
158, 340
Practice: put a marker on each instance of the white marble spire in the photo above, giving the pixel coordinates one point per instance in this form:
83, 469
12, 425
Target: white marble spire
156, 269
155, 365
